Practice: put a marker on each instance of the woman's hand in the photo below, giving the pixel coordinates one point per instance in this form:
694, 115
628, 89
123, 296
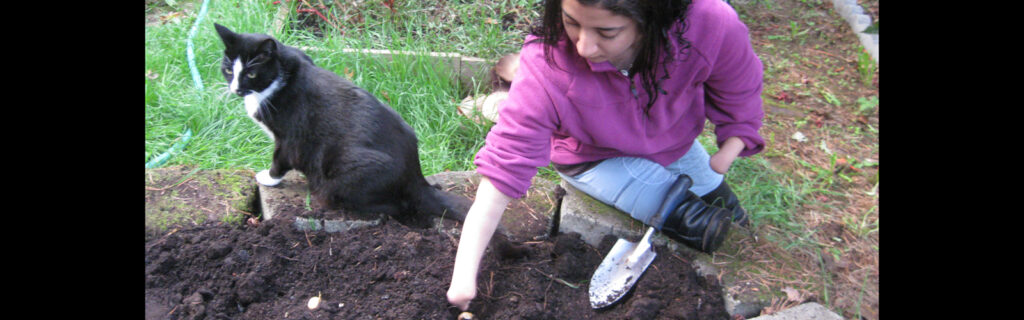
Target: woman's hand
722, 160
461, 292
481, 221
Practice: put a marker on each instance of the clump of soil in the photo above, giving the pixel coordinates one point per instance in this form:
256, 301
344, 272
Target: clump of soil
397, 271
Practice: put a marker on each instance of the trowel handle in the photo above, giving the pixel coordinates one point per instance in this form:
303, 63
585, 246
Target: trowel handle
643, 246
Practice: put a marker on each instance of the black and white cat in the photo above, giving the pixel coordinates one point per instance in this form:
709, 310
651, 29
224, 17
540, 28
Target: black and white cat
357, 153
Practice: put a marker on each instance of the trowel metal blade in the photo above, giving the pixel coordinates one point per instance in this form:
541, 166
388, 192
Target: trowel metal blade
616, 274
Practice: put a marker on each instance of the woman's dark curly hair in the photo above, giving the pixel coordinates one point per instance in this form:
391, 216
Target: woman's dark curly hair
653, 17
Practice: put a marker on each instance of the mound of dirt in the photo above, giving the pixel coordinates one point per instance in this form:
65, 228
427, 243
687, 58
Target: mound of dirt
396, 270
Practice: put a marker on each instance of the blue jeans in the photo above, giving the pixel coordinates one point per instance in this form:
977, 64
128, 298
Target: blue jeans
638, 186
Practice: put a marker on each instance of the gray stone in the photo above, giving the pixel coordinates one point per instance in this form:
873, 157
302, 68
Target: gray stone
806, 311
332, 226
748, 307
308, 224
858, 20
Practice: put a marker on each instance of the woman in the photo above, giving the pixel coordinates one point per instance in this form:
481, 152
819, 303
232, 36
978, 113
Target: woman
614, 93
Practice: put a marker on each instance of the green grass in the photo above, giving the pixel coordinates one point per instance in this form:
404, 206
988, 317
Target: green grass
767, 195
224, 137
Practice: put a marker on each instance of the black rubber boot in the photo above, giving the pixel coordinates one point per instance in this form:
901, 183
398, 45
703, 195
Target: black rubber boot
692, 221
725, 198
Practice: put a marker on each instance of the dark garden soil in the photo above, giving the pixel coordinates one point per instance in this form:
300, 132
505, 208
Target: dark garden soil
399, 269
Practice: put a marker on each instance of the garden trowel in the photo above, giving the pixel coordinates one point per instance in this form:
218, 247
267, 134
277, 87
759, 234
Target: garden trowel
620, 269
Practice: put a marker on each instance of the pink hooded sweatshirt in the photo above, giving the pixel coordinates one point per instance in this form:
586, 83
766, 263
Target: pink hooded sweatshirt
579, 111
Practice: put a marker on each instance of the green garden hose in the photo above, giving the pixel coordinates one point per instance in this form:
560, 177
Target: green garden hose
162, 158
183, 141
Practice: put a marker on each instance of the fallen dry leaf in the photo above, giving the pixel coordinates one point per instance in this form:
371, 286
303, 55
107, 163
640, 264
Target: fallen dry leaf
792, 294
798, 136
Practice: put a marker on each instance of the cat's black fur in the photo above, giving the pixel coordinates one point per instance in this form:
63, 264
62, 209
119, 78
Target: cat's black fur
356, 152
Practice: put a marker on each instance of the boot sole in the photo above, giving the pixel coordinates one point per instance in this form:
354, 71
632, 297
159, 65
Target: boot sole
716, 231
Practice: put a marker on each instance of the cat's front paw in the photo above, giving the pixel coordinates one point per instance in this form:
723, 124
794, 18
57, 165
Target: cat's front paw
263, 177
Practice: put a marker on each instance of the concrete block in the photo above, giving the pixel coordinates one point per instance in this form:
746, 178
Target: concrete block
593, 219
291, 191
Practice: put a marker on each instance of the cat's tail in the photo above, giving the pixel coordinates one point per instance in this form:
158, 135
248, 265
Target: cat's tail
431, 200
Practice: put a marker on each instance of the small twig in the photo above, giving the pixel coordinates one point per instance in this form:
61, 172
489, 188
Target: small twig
172, 310
286, 258
427, 268
531, 212
490, 285
819, 51
681, 259
570, 285
206, 209
547, 195
545, 305
482, 292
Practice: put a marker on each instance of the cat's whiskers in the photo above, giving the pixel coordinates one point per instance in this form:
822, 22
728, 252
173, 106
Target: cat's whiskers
224, 91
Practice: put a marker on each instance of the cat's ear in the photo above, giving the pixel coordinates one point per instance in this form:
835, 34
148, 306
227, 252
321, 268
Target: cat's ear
267, 49
226, 35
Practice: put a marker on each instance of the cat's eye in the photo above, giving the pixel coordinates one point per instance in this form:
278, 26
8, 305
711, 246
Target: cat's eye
228, 71
251, 75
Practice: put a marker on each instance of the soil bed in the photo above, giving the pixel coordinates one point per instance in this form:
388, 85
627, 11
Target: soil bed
397, 270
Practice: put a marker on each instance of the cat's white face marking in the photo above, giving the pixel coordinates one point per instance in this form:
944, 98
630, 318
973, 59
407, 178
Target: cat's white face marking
236, 70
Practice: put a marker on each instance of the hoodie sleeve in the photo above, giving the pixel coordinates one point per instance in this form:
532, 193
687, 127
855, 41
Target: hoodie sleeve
733, 89
520, 141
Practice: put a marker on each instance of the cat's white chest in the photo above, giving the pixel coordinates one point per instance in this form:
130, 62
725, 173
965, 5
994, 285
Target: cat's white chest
254, 100
252, 104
